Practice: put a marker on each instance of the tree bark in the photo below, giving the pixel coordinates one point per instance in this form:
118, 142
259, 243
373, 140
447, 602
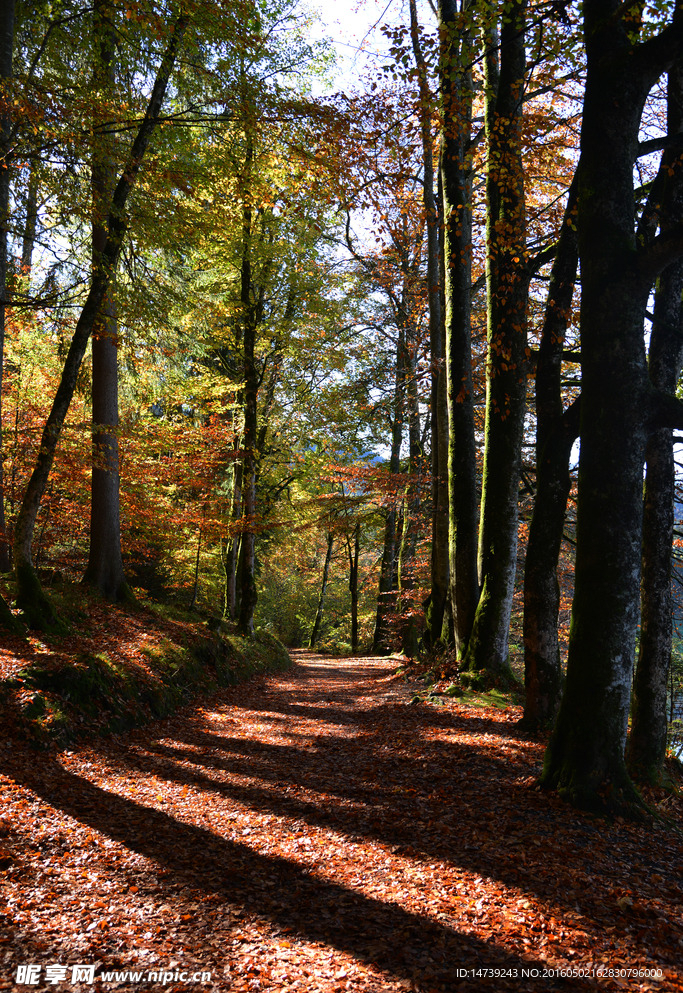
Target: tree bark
585, 757
438, 409
646, 745
507, 289
30, 597
323, 590
6, 77
555, 435
247, 570
230, 606
31, 220
105, 563
542, 667
354, 552
411, 507
195, 586
386, 596
455, 77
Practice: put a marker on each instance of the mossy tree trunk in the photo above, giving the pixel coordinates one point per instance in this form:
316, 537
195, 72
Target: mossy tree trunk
455, 77
507, 290
585, 758
556, 431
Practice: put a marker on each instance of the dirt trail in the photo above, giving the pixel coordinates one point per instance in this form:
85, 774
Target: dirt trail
314, 831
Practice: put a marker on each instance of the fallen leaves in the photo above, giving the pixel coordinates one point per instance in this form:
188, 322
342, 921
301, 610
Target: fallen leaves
315, 832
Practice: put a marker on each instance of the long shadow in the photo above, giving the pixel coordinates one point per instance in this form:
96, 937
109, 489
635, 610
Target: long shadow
331, 706
331, 767
429, 798
317, 909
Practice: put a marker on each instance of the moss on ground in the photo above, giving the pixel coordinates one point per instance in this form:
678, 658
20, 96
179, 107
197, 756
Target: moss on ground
442, 677
154, 663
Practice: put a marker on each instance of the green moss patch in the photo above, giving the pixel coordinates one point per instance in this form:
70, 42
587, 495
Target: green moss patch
146, 667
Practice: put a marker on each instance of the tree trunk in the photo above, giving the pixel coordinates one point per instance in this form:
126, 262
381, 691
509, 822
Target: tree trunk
507, 288
438, 410
30, 597
542, 667
456, 183
247, 571
6, 76
411, 509
105, 563
386, 597
354, 552
195, 586
646, 746
585, 757
323, 590
230, 605
30, 221
555, 436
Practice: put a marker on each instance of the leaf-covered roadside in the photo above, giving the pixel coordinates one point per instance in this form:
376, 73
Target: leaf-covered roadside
314, 831
118, 667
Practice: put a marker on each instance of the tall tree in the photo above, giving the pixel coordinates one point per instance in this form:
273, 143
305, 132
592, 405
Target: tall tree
438, 594
251, 316
105, 562
353, 551
386, 594
646, 747
619, 407
30, 596
507, 291
6, 75
556, 431
323, 589
455, 75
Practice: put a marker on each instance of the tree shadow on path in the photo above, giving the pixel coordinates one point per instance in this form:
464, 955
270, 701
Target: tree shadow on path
428, 783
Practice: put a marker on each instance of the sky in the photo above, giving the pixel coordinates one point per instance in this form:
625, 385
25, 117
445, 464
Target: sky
354, 28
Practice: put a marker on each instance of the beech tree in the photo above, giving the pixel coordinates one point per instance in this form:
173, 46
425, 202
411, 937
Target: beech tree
457, 47
619, 406
6, 75
556, 431
646, 747
507, 291
438, 594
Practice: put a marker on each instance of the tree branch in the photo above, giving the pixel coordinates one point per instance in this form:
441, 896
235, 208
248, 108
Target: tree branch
666, 411
661, 251
653, 57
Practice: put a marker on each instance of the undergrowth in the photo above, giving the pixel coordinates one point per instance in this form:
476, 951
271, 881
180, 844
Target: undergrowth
117, 668
442, 677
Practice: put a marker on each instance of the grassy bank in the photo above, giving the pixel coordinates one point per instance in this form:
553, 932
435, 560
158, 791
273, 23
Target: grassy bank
119, 667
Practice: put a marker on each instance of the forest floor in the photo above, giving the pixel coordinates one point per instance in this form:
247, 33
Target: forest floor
317, 831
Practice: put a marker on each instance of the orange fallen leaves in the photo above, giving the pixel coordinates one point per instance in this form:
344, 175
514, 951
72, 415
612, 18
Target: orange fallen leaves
315, 832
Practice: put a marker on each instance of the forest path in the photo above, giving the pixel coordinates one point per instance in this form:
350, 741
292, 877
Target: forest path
314, 831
